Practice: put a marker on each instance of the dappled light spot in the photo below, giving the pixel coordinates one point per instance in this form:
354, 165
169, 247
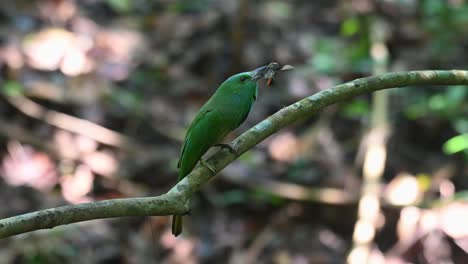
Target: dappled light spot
101, 162
369, 207
284, 147
79, 53
75, 187
361, 255
423, 225
54, 48
407, 224
65, 145
75, 63
358, 255
455, 220
25, 166
374, 163
446, 188
404, 189
379, 51
183, 249
85, 144
364, 232
430, 220
168, 240
45, 49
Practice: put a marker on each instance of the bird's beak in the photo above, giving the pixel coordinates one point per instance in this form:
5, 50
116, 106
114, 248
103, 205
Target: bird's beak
258, 73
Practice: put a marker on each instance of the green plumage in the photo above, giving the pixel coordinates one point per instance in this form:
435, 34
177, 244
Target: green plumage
222, 113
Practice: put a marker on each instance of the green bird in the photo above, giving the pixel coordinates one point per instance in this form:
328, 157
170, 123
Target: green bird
221, 114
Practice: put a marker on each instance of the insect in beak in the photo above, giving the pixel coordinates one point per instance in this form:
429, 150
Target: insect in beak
269, 71
269, 81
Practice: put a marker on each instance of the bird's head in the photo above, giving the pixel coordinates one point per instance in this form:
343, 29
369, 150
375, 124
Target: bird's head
243, 79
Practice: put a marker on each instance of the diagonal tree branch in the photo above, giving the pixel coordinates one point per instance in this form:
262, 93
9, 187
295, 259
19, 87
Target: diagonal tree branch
175, 201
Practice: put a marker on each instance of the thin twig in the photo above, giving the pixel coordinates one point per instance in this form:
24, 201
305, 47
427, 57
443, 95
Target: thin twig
68, 122
294, 191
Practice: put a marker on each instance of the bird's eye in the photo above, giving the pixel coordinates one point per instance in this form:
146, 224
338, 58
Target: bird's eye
243, 78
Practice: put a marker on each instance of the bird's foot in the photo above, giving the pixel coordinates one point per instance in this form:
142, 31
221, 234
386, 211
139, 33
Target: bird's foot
231, 149
208, 166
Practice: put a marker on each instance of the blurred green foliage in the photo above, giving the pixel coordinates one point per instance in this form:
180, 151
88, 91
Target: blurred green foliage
445, 23
449, 104
350, 26
121, 6
12, 88
356, 109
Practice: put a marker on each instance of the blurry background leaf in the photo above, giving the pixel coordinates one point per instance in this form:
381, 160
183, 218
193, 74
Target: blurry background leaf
456, 144
350, 26
357, 109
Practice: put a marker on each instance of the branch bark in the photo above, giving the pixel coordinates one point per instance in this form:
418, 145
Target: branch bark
175, 201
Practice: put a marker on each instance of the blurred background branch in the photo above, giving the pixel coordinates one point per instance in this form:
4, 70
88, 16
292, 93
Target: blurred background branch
375, 155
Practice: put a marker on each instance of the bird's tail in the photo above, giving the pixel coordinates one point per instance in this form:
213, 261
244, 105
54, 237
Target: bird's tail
177, 221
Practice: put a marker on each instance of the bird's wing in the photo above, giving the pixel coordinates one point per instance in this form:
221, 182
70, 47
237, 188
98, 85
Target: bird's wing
206, 130
187, 143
